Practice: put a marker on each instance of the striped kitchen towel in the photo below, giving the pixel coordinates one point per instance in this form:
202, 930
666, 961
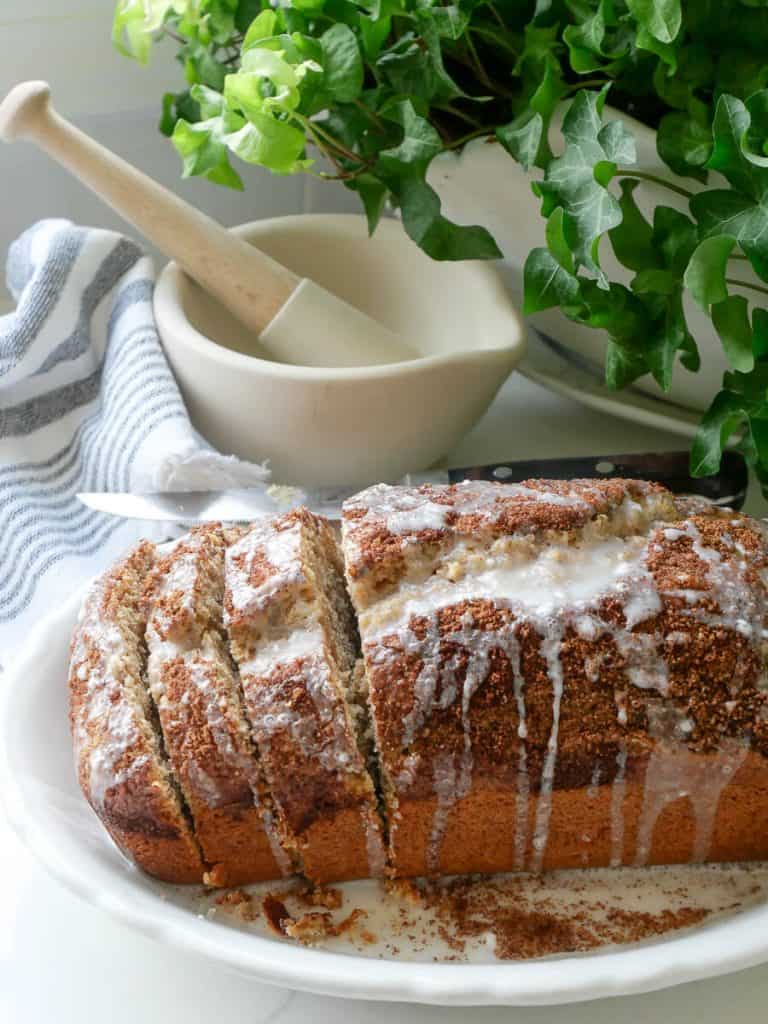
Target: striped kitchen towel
87, 403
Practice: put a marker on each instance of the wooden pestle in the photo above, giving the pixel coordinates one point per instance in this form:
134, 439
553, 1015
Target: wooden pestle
295, 319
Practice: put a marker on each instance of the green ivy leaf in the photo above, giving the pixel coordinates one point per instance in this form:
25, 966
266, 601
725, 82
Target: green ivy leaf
539, 43
522, 138
175, 106
655, 280
760, 333
725, 416
719, 211
684, 143
661, 18
135, 24
374, 32
420, 142
666, 51
547, 283
263, 27
632, 239
741, 211
585, 41
403, 169
342, 63
270, 84
446, 86
669, 338
731, 321
556, 243
622, 367
730, 126
675, 237
576, 180
705, 274
754, 142
406, 69
271, 143
525, 137
617, 310
741, 73
437, 236
373, 194
618, 143
598, 39
203, 151
450, 21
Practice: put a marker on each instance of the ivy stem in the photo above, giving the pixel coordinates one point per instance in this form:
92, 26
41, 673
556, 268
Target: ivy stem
495, 87
481, 72
746, 284
319, 133
590, 83
450, 109
644, 176
468, 137
493, 38
370, 114
497, 16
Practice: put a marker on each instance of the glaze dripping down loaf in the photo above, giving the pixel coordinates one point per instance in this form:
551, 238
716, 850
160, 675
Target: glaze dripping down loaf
515, 677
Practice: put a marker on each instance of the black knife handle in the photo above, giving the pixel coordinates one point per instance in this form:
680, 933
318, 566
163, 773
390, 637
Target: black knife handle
728, 487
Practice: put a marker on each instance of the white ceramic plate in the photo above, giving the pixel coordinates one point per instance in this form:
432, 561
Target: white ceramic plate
560, 369
37, 781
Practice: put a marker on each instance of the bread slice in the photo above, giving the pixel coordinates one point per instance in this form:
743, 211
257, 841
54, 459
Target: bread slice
197, 694
562, 674
293, 637
121, 764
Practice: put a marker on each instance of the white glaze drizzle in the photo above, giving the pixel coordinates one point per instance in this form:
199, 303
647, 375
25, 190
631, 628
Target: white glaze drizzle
280, 548
592, 793
211, 684
618, 790
374, 844
550, 649
299, 646
531, 590
523, 784
447, 791
108, 713
403, 512
272, 714
674, 772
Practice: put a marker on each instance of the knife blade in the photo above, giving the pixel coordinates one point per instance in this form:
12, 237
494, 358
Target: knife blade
728, 487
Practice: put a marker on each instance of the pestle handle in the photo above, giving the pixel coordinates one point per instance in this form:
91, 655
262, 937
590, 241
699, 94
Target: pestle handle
248, 282
295, 319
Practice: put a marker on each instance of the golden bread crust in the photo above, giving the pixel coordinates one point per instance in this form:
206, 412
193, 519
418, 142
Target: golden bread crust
292, 672
556, 634
206, 734
120, 764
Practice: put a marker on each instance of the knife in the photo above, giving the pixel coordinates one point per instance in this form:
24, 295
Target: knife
728, 487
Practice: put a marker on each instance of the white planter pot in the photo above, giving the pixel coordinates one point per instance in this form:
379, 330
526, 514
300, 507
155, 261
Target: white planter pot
484, 185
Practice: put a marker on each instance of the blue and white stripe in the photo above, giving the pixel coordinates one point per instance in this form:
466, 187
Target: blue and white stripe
87, 403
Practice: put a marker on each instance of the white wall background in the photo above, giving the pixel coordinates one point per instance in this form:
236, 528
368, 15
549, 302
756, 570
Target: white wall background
67, 42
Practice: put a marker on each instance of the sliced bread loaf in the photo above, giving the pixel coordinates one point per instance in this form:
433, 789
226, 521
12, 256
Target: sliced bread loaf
197, 693
119, 756
293, 637
562, 674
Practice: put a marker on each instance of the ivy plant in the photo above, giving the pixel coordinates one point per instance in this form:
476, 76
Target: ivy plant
379, 88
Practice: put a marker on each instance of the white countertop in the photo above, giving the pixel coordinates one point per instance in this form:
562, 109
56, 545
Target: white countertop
63, 962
